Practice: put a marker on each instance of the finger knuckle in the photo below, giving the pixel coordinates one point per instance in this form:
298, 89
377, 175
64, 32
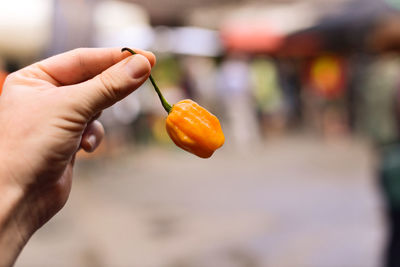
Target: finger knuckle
109, 85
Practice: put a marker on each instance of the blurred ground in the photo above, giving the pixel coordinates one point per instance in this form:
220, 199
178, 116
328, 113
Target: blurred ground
294, 202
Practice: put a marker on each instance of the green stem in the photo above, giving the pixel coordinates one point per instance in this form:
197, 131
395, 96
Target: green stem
164, 102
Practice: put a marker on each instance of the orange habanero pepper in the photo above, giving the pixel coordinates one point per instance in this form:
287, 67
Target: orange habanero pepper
191, 126
194, 129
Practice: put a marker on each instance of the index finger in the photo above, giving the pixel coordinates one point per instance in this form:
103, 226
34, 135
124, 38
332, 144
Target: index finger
81, 64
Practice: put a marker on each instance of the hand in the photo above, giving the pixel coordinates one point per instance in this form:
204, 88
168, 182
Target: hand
48, 111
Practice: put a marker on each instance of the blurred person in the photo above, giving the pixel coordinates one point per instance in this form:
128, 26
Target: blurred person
233, 83
268, 96
381, 119
389, 175
289, 81
358, 64
48, 112
376, 116
201, 75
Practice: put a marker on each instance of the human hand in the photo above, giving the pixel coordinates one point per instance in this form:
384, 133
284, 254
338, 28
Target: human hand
48, 111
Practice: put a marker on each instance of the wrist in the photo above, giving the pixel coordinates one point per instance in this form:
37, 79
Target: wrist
13, 235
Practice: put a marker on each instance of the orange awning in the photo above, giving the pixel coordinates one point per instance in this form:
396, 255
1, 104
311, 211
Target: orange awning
252, 37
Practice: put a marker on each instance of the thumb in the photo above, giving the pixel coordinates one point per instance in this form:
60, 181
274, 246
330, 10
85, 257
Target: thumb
111, 85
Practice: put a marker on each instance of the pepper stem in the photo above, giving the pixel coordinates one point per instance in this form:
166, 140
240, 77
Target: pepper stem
164, 102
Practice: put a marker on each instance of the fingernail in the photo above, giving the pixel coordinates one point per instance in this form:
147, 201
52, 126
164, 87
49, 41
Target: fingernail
137, 66
92, 142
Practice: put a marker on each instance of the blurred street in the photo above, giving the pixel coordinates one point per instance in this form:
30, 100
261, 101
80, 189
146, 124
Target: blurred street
293, 202
302, 89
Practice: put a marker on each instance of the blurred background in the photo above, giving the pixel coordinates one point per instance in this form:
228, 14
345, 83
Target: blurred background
308, 94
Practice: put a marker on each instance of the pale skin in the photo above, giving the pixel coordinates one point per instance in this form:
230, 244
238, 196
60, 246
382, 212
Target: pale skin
48, 112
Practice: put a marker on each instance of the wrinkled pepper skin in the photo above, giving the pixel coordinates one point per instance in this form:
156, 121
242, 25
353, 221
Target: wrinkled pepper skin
194, 129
